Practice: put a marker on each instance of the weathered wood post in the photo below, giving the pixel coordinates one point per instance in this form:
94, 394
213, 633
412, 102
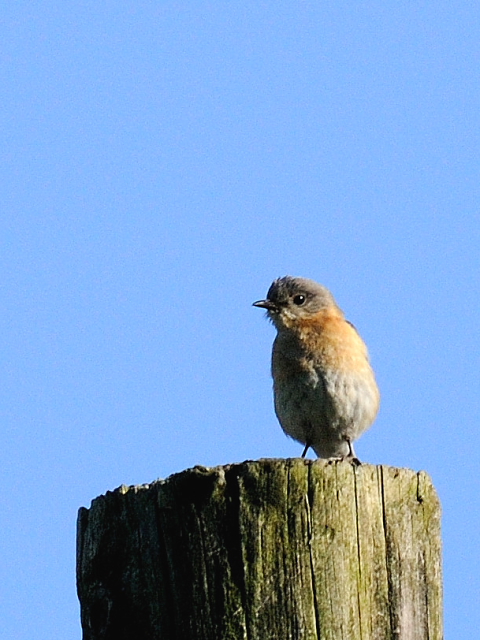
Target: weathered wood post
267, 550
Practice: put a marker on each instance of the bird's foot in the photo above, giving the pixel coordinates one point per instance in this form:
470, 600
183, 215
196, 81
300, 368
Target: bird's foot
349, 457
353, 460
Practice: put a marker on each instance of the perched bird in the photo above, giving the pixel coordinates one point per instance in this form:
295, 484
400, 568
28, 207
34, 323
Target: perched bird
325, 392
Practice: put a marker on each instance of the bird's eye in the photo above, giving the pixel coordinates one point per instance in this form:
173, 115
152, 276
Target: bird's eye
299, 299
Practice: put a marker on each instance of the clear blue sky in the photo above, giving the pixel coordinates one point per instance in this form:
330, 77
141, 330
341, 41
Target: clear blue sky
162, 163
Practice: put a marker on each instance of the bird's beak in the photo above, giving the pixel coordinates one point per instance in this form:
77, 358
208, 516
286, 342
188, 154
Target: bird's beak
265, 304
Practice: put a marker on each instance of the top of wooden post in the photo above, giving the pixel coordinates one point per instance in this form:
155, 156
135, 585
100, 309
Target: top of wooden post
264, 549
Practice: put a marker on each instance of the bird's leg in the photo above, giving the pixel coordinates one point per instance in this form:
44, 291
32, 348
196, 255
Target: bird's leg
351, 457
351, 452
307, 447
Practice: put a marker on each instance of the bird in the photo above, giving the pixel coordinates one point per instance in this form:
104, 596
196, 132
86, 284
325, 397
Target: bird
325, 392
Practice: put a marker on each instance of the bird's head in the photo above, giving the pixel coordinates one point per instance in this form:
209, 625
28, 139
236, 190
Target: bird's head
290, 300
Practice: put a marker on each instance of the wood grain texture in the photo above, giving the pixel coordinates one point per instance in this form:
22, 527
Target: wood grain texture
267, 550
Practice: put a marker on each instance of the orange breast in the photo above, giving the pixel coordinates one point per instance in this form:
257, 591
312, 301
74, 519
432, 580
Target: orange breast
332, 342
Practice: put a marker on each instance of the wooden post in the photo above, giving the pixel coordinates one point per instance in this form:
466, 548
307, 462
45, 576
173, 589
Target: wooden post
267, 550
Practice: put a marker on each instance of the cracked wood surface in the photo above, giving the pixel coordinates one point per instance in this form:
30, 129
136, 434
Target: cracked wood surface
267, 550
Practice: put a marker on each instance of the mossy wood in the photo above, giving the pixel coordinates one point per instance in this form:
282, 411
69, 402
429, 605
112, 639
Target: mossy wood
267, 550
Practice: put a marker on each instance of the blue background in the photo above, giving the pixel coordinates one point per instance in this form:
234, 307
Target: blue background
162, 163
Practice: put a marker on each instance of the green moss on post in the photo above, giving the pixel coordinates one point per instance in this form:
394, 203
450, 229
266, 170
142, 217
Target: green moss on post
273, 549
